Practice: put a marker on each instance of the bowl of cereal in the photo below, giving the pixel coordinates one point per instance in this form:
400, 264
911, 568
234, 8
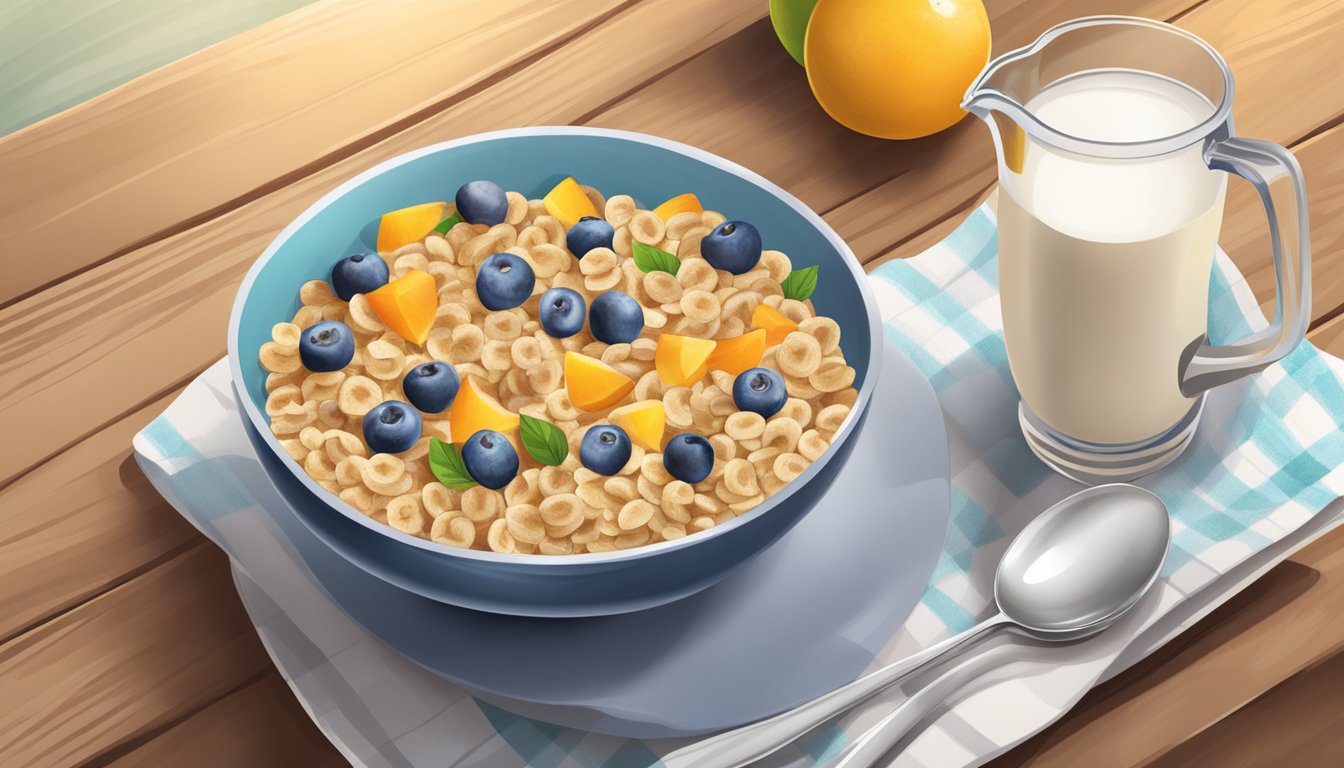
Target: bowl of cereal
554, 371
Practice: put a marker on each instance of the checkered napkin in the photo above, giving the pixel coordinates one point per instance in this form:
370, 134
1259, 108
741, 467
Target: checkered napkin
1268, 458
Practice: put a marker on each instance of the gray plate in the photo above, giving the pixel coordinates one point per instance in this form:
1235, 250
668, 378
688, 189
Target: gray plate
807, 615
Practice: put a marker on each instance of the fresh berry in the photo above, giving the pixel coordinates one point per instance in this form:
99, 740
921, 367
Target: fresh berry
490, 459
504, 281
561, 312
482, 202
733, 246
326, 346
431, 386
588, 233
361, 273
391, 427
688, 457
605, 449
760, 390
615, 318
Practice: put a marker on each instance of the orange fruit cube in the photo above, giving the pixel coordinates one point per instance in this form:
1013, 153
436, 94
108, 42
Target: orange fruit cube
739, 353
686, 203
776, 325
682, 360
474, 410
568, 202
643, 421
409, 225
407, 305
592, 384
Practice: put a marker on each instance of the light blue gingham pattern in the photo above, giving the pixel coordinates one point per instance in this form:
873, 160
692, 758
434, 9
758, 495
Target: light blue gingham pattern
1268, 457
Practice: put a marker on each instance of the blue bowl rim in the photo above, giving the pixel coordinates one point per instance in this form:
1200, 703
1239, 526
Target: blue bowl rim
259, 422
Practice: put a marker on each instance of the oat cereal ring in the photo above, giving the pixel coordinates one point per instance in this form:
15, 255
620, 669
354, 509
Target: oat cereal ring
812, 445
322, 386
497, 356
776, 264
293, 418
555, 546
763, 459
359, 497
622, 488
286, 334
404, 514
409, 261
702, 523
307, 316
562, 514
467, 345
339, 444
662, 287
278, 359
739, 477
555, 231
653, 319
697, 273
532, 236
554, 481
385, 474
712, 219
635, 514
622, 241
700, 306
788, 466
453, 530
525, 523
744, 425
677, 407
358, 395
845, 397
316, 292
680, 224
383, 360
799, 355
548, 260
653, 469
295, 448
329, 415
362, 316
281, 398
545, 378
605, 544
782, 433
647, 227
350, 470
438, 499
825, 330
505, 325
499, 539
688, 247
832, 377
481, 504
725, 447
517, 210
830, 418
637, 538
800, 388
619, 210
535, 208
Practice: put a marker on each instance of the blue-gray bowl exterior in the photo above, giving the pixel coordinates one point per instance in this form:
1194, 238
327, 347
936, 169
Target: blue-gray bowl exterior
531, 161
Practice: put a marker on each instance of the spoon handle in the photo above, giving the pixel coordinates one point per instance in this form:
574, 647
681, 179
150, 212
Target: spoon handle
743, 745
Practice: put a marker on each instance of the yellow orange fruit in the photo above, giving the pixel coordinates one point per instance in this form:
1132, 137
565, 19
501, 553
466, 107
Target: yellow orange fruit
739, 353
775, 324
407, 305
568, 202
592, 384
896, 69
474, 410
643, 421
682, 360
685, 203
409, 225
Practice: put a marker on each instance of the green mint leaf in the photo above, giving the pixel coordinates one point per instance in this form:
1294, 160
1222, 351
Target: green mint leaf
446, 464
543, 441
448, 223
651, 259
800, 283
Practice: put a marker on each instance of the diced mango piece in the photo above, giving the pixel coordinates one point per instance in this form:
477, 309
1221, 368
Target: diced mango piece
686, 203
407, 305
739, 353
776, 325
409, 225
568, 203
474, 410
592, 384
643, 421
682, 360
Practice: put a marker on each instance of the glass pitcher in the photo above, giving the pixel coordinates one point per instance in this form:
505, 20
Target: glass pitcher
1114, 139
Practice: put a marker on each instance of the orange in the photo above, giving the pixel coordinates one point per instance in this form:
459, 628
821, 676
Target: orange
682, 360
407, 305
643, 421
568, 202
592, 384
739, 353
474, 410
895, 69
684, 203
776, 325
409, 225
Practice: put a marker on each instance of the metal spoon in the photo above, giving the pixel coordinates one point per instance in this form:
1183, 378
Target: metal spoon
1069, 574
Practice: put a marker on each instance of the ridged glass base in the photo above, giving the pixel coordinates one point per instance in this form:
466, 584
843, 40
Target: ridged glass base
1096, 463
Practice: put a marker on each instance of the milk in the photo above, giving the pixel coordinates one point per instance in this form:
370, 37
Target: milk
1104, 264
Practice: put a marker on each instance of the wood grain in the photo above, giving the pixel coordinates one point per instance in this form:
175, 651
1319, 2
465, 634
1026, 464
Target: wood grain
202, 134
133, 660
157, 314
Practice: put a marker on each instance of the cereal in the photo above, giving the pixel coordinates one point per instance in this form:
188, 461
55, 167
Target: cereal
508, 356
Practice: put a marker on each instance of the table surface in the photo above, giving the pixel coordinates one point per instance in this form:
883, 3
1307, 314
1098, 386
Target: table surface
129, 221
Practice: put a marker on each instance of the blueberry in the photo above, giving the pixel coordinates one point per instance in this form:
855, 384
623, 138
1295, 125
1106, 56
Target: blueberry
688, 457
504, 281
490, 459
482, 202
734, 246
326, 346
431, 386
391, 427
361, 273
588, 233
562, 311
615, 318
605, 449
760, 390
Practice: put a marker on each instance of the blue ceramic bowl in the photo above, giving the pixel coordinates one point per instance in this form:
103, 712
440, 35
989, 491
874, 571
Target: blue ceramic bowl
531, 160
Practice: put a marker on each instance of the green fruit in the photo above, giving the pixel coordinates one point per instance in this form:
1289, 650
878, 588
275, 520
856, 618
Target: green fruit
790, 20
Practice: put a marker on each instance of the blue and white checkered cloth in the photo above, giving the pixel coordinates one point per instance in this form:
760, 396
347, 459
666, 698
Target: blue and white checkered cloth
1268, 457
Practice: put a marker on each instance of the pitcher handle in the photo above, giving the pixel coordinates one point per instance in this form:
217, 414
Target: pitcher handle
1278, 178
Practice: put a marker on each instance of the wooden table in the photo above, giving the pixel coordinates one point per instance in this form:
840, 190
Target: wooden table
128, 222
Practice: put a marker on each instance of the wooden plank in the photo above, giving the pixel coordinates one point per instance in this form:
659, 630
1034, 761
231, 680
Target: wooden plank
158, 313
1285, 623
136, 659
82, 523
260, 724
208, 132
